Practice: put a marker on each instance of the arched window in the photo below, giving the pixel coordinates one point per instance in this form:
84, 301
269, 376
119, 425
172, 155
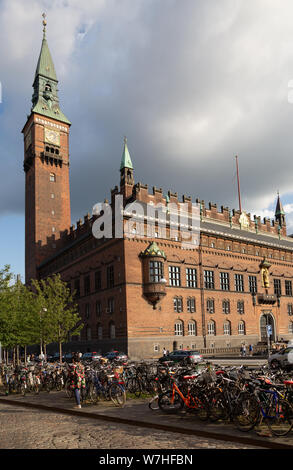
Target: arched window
112, 331
178, 328
211, 327
192, 328
52, 177
241, 328
227, 328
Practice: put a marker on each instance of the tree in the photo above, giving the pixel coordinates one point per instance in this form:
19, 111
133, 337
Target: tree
7, 337
60, 315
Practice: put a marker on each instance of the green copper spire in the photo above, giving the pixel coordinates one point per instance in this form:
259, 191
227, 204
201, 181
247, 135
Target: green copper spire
153, 250
45, 97
126, 160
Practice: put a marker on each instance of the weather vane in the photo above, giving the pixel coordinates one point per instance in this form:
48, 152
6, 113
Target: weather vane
44, 23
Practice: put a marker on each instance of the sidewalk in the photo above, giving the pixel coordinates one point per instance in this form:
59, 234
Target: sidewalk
137, 412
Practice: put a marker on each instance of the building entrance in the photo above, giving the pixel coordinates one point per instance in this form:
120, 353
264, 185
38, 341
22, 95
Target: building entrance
265, 320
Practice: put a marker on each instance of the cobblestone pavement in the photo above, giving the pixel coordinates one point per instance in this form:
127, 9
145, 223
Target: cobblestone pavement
25, 428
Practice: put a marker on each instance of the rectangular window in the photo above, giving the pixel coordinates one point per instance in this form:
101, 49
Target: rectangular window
225, 281
252, 284
210, 306
87, 311
77, 287
239, 283
226, 306
98, 307
98, 280
290, 309
110, 277
87, 285
156, 271
209, 282
110, 305
240, 307
178, 304
174, 276
191, 278
288, 288
191, 304
277, 287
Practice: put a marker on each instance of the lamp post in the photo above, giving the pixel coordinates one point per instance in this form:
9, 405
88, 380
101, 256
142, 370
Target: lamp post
41, 335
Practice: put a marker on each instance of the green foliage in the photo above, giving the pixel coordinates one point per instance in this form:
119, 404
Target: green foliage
44, 312
59, 314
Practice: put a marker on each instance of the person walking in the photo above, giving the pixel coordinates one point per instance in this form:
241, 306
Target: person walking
250, 349
164, 352
244, 350
77, 378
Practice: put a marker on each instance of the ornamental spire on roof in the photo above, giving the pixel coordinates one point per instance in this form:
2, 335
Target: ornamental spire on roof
45, 97
126, 160
280, 213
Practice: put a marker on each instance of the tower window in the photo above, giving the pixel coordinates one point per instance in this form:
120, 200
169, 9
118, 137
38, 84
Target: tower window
52, 177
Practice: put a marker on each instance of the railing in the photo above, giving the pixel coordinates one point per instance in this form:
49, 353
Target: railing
235, 351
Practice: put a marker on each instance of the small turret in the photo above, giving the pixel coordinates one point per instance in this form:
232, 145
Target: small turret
280, 213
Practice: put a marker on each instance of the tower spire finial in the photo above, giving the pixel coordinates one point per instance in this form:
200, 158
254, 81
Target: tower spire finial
44, 24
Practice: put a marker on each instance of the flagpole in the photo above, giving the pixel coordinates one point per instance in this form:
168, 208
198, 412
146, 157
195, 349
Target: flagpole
238, 183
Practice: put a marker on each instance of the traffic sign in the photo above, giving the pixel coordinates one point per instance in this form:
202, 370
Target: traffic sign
269, 330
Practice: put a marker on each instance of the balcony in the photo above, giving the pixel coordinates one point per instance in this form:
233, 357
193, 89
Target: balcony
267, 299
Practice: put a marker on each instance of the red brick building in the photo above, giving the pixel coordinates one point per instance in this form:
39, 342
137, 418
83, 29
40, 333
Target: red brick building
137, 293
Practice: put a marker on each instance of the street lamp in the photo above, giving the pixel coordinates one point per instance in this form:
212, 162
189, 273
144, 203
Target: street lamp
41, 336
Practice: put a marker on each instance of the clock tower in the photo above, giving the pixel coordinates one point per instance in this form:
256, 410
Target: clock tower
46, 166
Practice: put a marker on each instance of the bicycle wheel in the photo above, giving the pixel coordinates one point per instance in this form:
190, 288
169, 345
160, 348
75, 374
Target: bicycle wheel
154, 403
246, 413
23, 389
280, 417
68, 390
217, 408
199, 406
169, 403
117, 394
133, 386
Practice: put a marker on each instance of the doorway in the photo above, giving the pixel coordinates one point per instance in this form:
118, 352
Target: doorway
265, 320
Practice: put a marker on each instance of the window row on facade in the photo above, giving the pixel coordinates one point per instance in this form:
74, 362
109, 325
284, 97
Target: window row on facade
100, 307
109, 331
237, 283
179, 328
250, 250
87, 285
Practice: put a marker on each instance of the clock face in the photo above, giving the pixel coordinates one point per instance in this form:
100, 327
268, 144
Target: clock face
52, 137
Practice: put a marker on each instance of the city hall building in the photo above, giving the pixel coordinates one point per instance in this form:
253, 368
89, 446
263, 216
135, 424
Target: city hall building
147, 289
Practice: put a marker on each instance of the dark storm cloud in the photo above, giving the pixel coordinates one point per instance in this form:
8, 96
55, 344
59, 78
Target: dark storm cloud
191, 84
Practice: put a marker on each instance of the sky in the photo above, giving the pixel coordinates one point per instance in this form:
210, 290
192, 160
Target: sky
191, 83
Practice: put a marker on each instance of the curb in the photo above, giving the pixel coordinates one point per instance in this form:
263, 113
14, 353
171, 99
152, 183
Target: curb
162, 427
